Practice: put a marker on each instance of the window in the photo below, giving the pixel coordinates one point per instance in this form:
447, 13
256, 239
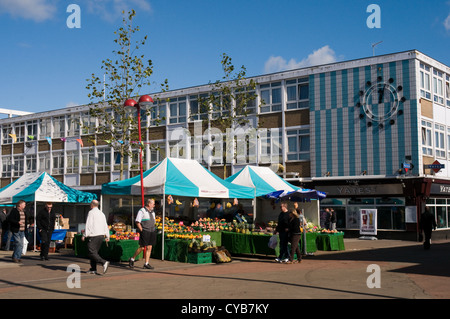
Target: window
198, 144
425, 85
177, 109
158, 113
221, 106
177, 149
18, 166
32, 130
250, 107
135, 161
197, 109
58, 163
271, 145
271, 97
6, 130
439, 140
44, 162
6, 166
19, 130
87, 123
73, 125
45, 128
438, 87
298, 144
59, 126
447, 91
31, 163
103, 159
246, 147
117, 159
297, 94
157, 153
427, 143
87, 161
72, 161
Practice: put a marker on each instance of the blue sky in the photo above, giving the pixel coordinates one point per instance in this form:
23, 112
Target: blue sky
45, 64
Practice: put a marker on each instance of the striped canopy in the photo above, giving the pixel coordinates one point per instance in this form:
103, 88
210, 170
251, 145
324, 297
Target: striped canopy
262, 179
42, 187
180, 177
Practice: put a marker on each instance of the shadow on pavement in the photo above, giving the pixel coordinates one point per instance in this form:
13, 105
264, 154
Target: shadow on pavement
435, 261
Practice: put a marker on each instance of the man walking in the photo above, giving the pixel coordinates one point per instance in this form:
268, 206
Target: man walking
427, 224
17, 225
96, 230
283, 233
45, 222
145, 222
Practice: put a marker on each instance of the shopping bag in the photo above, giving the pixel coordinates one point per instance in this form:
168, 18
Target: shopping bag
25, 246
273, 241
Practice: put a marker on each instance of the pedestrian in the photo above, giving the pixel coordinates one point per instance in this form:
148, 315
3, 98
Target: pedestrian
333, 219
96, 231
3, 224
145, 222
45, 222
427, 224
17, 225
294, 236
303, 224
283, 233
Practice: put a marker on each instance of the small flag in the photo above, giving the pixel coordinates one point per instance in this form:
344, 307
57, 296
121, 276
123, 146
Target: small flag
49, 140
79, 140
14, 137
63, 139
30, 137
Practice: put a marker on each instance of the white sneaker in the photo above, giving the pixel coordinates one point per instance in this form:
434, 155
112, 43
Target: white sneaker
105, 267
92, 272
278, 260
285, 260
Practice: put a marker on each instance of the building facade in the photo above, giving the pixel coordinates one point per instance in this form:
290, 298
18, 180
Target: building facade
372, 133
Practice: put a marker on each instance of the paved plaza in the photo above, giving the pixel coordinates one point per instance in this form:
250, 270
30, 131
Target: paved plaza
406, 270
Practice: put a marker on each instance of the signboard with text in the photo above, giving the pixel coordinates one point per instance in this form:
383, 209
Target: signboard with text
368, 222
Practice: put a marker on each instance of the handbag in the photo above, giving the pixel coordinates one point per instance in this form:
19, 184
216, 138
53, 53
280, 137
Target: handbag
25, 246
273, 242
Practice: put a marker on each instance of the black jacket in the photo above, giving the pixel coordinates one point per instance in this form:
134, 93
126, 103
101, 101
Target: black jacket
46, 220
13, 220
283, 222
294, 225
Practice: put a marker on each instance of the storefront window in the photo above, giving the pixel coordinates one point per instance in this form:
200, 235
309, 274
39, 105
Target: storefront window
441, 216
440, 208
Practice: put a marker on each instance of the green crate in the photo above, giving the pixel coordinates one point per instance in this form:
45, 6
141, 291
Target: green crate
199, 258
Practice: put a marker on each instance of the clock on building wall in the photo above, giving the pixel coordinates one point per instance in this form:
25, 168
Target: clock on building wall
380, 101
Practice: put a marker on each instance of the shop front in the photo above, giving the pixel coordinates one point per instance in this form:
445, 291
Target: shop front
399, 203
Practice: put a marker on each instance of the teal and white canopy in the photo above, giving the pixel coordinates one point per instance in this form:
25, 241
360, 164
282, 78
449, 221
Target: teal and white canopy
42, 187
262, 179
180, 177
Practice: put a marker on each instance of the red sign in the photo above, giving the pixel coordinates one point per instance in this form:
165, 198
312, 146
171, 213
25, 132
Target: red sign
437, 169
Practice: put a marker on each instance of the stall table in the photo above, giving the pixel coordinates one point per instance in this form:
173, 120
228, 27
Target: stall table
114, 250
330, 241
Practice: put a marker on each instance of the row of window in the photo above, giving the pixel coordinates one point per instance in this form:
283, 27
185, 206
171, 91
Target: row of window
434, 85
435, 140
265, 147
177, 109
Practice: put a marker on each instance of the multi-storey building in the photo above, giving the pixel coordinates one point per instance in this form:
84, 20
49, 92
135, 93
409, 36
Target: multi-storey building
372, 133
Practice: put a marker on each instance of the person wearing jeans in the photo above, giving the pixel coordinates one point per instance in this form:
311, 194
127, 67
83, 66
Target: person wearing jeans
283, 233
17, 224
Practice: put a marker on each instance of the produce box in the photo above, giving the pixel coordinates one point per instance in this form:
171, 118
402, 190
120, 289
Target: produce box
199, 258
71, 234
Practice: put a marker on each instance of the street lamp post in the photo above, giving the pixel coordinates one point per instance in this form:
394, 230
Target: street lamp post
144, 101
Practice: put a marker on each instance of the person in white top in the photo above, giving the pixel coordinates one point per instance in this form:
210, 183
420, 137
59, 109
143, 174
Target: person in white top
96, 230
145, 222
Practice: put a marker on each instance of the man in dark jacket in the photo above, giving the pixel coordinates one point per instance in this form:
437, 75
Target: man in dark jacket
45, 222
17, 224
427, 224
283, 233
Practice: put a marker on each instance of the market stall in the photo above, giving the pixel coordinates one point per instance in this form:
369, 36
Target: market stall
41, 187
178, 177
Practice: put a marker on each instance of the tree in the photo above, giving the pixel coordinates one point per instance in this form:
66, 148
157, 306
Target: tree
125, 76
229, 104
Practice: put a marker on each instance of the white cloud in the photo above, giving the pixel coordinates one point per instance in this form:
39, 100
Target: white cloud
111, 10
36, 10
447, 23
323, 55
